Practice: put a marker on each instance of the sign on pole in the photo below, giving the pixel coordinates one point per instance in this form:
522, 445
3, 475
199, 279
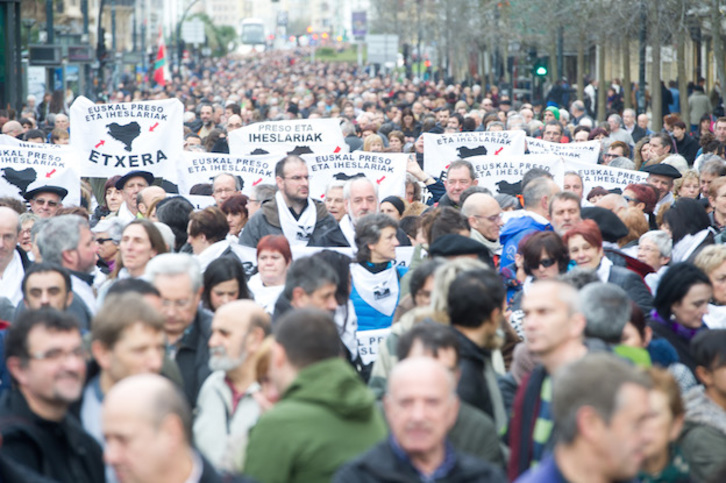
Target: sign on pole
382, 49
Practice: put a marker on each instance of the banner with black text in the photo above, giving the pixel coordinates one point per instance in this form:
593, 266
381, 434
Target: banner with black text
302, 136
585, 152
503, 174
117, 138
25, 169
195, 168
442, 149
606, 176
386, 170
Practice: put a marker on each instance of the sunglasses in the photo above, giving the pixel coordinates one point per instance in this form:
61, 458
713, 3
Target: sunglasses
547, 262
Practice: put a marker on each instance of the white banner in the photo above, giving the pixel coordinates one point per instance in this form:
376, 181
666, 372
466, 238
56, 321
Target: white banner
117, 138
387, 171
195, 168
441, 149
23, 170
605, 176
368, 342
6, 140
304, 136
503, 174
586, 152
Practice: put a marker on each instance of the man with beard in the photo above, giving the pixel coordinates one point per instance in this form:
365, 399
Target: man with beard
303, 220
45, 357
227, 405
206, 114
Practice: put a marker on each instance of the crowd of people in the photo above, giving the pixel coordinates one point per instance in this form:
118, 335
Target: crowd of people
557, 335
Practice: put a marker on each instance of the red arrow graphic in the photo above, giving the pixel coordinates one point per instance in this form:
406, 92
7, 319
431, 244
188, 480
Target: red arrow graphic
337, 149
322, 196
49, 173
379, 180
447, 166
101, 143
257, 182
498, 151
151, 129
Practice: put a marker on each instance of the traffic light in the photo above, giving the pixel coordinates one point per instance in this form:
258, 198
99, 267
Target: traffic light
540, 67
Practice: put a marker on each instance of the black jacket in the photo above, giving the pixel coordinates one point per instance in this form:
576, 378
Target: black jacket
381, 465
192, 357
472, 387
62, 451
633, 286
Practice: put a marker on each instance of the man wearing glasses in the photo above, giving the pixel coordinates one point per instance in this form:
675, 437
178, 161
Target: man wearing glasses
292, 212
45, 201
485, 218
178, 279
46, 360
224, 186
617, 149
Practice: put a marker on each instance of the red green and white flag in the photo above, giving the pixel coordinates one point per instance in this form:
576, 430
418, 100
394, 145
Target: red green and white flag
161, 68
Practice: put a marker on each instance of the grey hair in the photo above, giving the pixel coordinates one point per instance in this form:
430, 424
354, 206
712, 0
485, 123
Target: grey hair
113, 226
39, 224
495, 124
535, 190
631, 111
309, 273
174, 264
27, 217
60, 234
579, 105
579, 277
677, 161
368, 232
335, 184
616, 118
445, 274
607, 309
661, 239
167, 234
348, 128
235, 178
515, 121
622, 163
595, 381
349, 184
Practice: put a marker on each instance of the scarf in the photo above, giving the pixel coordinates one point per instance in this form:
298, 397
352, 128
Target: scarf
716, 316
346, 226
687, 245
297, 232
379, 290
603, 271
11, 279
680, 330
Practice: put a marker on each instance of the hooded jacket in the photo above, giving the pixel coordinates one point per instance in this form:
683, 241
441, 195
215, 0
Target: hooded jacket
513, 232
325, 418
267, 222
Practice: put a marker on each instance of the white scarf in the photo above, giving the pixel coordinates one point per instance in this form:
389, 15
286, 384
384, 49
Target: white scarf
346, 226
716, 317
379, 290
264, 296
297, 232
686, 246
11, 280
603, 271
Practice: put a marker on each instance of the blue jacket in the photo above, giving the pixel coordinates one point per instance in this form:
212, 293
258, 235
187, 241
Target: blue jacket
368, 317
513, 232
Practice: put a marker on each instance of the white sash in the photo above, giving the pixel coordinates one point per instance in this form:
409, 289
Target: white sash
12, 278
297, 232
379, 290
346, 226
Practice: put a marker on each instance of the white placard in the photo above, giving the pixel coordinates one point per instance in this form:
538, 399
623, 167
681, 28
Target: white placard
503, 174
24, 169
586, 152
368, 342
387, 171
195, 168
117, 138
605, 176
303, 136
441, 149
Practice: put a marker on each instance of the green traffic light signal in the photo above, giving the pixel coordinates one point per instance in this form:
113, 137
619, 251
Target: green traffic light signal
541, 71
540, 68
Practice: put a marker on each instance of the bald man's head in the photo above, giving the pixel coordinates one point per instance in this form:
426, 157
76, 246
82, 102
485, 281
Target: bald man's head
147, 426
484, 215
238, 329
9, 231
421, 405
12, 128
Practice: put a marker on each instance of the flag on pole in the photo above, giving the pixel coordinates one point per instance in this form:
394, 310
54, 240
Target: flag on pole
161, 69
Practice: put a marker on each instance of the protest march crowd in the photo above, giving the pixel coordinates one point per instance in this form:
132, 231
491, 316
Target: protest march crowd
275, 270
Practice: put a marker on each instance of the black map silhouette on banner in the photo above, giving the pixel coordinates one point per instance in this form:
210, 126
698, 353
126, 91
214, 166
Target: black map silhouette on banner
21, 179
125, 134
